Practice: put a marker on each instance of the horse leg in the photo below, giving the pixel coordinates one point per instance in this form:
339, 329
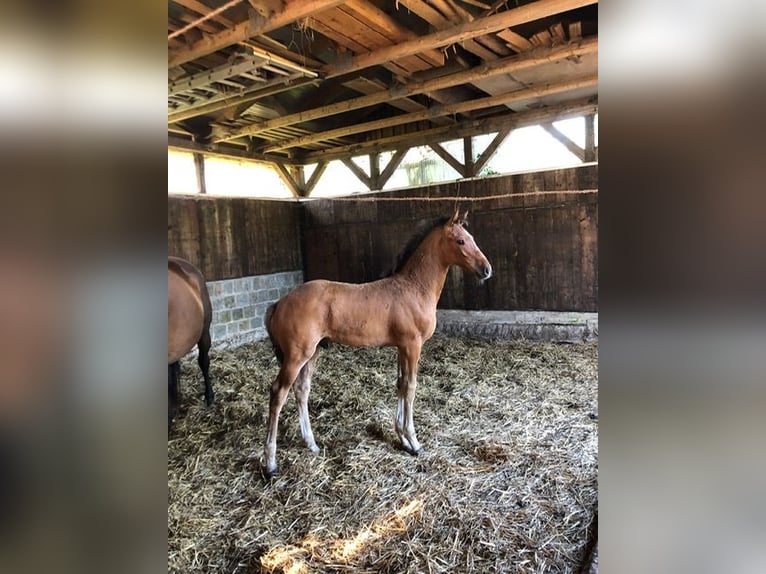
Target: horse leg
302, 389
204, 364
405, 425
280, 388
174, 374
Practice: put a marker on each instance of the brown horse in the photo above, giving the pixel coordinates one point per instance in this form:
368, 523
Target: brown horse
396, 311
189, 317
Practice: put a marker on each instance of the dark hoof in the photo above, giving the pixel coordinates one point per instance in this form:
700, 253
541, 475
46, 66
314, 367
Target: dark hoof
269, 474
209, 397
411, 451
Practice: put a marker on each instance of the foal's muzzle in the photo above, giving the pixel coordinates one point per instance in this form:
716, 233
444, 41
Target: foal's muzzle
484, 272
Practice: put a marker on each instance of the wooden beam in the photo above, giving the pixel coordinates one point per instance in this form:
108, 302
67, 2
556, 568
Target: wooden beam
478, 4
273, 47
479, 27
207, 77
258, 92
218, 150
487, 154
321, 166
358, 172
389, 27
439, 22
563, 139
449, 158
496, 47
393, 163
267, 7
293, 185
203, 10
446, 133
503, 66
515, 41
436, 111
256, 25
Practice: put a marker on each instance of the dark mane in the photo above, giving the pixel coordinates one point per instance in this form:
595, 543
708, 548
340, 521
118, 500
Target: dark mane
414, 243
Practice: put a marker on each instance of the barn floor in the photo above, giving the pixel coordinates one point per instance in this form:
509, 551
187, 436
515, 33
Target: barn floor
507, 482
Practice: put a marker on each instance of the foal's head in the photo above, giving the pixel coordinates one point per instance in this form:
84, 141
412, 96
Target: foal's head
459, 248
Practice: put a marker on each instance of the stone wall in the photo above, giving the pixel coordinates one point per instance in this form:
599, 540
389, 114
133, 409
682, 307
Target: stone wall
548, 326
239, 305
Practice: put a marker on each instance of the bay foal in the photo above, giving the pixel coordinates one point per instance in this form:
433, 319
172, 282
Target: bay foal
397, 311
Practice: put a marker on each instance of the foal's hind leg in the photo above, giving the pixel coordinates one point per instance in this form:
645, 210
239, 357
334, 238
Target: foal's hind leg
302, 389
204, 364
408, 371
280, 388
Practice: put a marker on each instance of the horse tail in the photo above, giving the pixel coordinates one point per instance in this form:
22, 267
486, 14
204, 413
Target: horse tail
267, 319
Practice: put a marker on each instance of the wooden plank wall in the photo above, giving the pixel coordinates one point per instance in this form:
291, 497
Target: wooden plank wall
544, 249
235, 237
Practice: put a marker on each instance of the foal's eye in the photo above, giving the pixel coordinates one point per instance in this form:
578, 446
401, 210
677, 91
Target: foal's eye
460, 242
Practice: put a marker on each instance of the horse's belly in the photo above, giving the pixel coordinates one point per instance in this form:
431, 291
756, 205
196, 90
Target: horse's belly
186, 318
361, 333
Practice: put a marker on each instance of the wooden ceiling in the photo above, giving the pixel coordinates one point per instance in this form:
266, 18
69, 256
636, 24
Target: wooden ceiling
302, 81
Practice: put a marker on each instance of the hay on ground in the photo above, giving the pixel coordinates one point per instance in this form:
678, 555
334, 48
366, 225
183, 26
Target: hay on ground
507, 482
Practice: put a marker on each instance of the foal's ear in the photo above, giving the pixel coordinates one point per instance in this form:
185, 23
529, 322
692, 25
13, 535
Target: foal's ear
465, 216
455, 218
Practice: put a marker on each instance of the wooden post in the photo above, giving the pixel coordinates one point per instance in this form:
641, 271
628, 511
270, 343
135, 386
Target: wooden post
374, 171
590, 138
199, 168
469, 168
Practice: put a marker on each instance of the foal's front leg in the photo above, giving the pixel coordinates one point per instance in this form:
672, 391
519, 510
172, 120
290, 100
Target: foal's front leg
408, 372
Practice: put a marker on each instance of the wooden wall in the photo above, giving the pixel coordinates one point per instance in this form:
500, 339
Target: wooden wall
543, 249
233, 237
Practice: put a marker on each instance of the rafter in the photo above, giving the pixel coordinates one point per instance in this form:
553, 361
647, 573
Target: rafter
564, 140
292, 184
393, 163
436, 111
202, 10
358, 172
462, 129
460, 33
218, 150
293, 10
503, 66
449, 158
490, 150
258, 92
314, 179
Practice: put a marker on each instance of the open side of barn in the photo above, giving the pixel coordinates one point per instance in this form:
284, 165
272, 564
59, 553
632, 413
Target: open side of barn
543, 248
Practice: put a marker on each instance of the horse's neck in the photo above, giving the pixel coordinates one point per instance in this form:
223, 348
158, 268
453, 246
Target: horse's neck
426, 271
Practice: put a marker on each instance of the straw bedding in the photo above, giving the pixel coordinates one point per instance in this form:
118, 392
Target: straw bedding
507, 482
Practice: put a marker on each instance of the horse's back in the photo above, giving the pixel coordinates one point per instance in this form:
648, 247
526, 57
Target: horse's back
187, 311
357, 314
